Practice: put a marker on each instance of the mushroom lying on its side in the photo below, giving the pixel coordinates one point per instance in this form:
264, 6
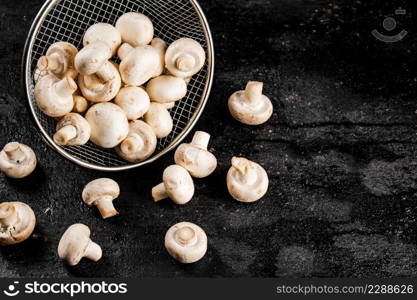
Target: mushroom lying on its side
134, 101
17, 160
103, 32
166, 88
72, 130
59, 60
75, 244
159, 119
17, 222
101, 193
92, 57
186, 242
136, 29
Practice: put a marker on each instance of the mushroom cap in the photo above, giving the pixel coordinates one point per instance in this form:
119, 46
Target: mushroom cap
140, 65
247, 181
185, 57
159, 119
73, 243
134, 101
143, 133
103, 32
178, 184
66, 53
135, 28
199, 162
95, 89
166, 88
54, 96
17, 169
175, 242
21, 230
99, 188
161, 47
92, 57
81, 125
109, 124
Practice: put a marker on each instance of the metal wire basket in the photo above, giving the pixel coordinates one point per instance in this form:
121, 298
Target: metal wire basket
67, 20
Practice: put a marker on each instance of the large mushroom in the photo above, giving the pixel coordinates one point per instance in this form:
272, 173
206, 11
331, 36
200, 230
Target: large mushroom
17, 222
136, 29
72, 130
166, 88
17, 160
134, 101
159, 119
59, 60
103, 32
101, 193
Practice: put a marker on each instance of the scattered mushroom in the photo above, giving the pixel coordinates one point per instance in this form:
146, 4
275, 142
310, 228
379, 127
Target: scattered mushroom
80, 104
166, 88
17, 222
54, 96
136, 29
194, 156
186, 242
134, 101
109, 124
177, 185
250, 106
17, 160
185, 57
103, 32
75, 244
139, 144
159, 119
247, 181
72, 130
92, 57
101, 193
59, 60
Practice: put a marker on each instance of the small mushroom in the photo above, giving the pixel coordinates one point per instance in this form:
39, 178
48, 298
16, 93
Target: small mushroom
194, 156
139, 144
80, 104
72, 130
75, 244
101, 193
103, 32
17, 222
166, 88
177, 185
134, 101
92, 57
136, 29
250, 106
54, 96
102, 86
186, 242
59, 60
109, 124
159, 119
185, 57
17, 160
247, 181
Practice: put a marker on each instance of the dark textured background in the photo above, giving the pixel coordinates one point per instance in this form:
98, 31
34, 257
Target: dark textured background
340, 151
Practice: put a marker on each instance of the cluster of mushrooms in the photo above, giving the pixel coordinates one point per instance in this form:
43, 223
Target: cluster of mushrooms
106, 124
124, 106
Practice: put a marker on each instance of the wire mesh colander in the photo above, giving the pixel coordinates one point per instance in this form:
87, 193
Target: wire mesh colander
67, 20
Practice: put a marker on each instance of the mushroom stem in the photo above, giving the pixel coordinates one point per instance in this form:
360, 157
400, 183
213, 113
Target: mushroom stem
245, 170
80, 104
65, 134
93, 251
51, 62
106, 207
66, 86
159, 192
253, 91
201, 140
186, 236
124, 50
185, 62
8, 215
14, 153
131, 144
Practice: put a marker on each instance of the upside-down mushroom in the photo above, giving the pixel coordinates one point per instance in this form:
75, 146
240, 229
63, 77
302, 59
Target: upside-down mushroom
17, 222
59, 60
17, 160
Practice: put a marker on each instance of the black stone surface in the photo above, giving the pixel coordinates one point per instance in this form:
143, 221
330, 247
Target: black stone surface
340, 151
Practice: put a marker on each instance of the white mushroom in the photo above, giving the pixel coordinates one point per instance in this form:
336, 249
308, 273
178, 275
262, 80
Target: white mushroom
134, 101
92, 57
59, 60
72, 130
166, 88
102, 86
250, 106
159, 119
194, 156
185, 57
80, 104
101, 193
186, 242
17, 160
54, 96
103, 32
169, 105
17, 222
177, 185
247, 181
75, 244
109, 125
135, 28
139, 144
161, 47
